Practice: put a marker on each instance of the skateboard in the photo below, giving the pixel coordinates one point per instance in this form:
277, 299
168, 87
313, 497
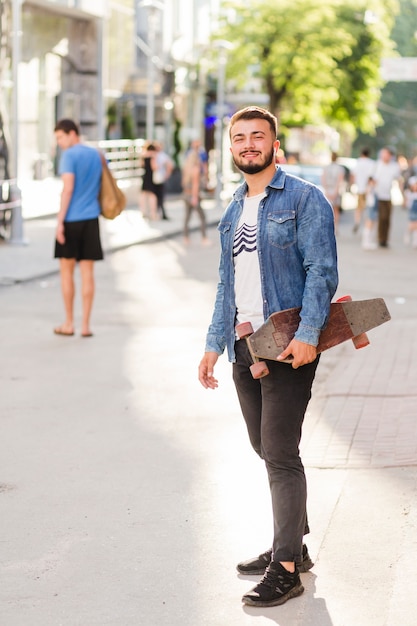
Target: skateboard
348, 319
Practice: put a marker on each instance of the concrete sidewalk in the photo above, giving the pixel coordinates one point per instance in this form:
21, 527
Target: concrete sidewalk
34, 259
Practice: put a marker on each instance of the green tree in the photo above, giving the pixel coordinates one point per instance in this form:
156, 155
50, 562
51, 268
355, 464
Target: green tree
318, 62
398, 102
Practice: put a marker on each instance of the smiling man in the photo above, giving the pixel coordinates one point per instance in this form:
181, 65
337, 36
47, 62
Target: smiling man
278, 251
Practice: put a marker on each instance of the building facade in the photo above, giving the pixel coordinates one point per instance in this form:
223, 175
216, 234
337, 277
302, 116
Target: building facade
121, 68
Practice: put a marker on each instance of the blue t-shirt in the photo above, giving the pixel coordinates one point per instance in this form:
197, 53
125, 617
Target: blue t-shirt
85, 163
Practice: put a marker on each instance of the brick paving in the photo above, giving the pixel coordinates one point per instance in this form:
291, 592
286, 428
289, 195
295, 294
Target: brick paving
364, 408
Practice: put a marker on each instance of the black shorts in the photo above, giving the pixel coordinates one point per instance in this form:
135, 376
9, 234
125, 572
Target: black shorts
82, 241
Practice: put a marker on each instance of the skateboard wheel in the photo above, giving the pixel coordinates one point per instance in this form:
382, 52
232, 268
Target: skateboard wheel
360, 341
244, 330
259, 369
344, 299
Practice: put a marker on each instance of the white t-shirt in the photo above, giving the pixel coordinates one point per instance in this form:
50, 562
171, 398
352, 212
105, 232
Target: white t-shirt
248, 292
364, 170
384, 176
163, 163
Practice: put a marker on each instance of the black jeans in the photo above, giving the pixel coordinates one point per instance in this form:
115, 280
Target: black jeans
274, 409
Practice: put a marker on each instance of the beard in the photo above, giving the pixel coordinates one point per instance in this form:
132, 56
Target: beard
255, 168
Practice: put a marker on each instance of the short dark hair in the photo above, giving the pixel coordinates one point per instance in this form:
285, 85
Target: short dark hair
67, 125
253, 112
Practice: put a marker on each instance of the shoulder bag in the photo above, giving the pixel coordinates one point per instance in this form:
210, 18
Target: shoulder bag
112, 199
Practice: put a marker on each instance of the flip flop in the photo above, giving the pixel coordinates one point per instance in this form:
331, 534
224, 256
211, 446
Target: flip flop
86, 334
59, 331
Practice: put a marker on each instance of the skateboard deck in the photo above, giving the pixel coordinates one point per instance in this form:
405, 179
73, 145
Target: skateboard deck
347, 320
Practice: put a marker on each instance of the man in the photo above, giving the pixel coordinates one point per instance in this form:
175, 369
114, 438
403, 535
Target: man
278, 251
364, 170
386, 171
203, 157
77, 231
192, 180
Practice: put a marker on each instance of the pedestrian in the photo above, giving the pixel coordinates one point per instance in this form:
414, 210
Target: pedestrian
332, 180
410, 171
192, 181
164, 168
387, 170
148, 198
371, 219
363, 171
196, 145
278, 251
410, 196
77, 231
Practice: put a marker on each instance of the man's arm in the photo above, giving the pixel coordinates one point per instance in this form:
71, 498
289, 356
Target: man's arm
66, 195
169, 167
215, 340
317, 246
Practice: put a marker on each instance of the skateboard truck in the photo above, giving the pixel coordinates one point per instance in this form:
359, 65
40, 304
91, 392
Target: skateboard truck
259, 368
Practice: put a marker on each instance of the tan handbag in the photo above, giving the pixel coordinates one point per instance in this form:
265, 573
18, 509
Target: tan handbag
112, 199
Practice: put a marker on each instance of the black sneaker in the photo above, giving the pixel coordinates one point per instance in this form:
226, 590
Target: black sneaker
276, 587
258, 565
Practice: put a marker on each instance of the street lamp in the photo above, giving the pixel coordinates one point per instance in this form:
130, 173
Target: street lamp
223, 46
152, 6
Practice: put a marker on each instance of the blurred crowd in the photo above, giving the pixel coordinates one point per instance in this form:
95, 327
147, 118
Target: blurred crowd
373, 180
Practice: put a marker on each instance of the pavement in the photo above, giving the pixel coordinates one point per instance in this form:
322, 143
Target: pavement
32, 258
359, 448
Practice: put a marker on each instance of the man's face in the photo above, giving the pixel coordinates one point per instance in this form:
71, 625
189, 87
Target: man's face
64, 140
253, 145
386, 155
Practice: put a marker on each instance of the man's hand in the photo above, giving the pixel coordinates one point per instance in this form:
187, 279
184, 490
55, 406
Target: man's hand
60, 237
302, 353
205, 370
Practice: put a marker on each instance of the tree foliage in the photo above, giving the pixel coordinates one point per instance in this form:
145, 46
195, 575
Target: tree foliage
398, 103
318, 62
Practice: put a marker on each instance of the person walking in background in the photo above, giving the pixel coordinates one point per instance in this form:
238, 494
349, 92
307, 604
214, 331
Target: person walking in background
77, 230
371, 220
203, 156
410, 171
278, 251
387, 170
363, 171
410, 196
332, 180
148, 196
192, 177
164, 168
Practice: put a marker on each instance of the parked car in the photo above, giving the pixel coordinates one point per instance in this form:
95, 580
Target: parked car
311, 173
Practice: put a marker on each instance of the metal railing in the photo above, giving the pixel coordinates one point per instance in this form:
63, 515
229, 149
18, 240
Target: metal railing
125, 163
7, 204
123, 156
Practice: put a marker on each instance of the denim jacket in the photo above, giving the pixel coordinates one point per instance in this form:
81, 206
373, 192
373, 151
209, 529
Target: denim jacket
297, 254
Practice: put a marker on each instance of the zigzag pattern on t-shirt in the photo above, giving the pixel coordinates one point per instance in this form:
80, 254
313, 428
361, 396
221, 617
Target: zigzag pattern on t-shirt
245, 240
